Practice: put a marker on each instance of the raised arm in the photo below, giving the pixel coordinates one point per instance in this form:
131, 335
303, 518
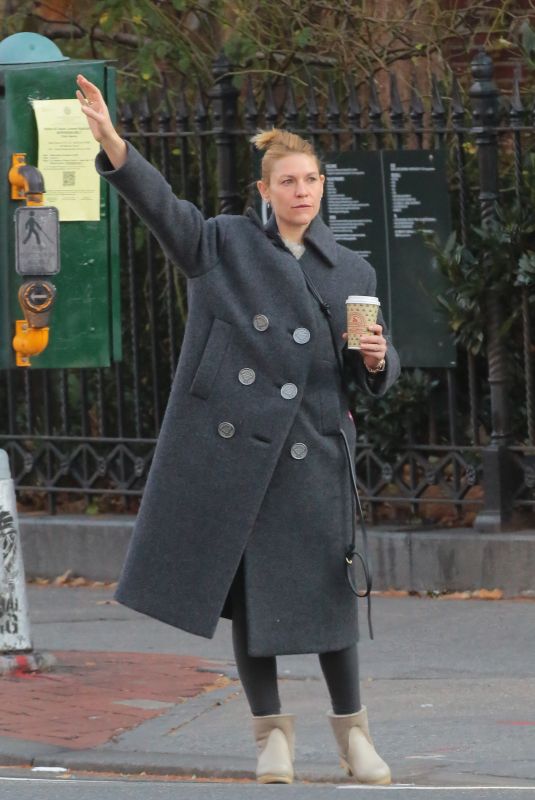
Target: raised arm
188, 240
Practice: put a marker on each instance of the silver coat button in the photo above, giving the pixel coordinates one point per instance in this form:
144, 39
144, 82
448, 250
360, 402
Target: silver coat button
226, 430
261, 322
289, 391
246, 376
301, 335
299, 451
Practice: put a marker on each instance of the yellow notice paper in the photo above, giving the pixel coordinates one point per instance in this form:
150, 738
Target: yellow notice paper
67, 153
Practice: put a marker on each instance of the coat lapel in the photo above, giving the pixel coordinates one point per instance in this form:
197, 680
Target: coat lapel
318, 236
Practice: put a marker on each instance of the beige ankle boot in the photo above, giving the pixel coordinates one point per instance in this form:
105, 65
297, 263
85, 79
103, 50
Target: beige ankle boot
357, 754
274, 736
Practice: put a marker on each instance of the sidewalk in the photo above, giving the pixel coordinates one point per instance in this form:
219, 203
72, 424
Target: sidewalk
449, 685
91, 698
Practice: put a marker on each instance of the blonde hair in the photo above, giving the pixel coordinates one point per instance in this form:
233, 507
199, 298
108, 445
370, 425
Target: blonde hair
279, 143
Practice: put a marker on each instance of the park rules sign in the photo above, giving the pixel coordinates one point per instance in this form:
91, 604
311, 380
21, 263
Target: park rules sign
378, 203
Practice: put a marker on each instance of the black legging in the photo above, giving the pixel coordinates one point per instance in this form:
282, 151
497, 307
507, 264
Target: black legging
258, 674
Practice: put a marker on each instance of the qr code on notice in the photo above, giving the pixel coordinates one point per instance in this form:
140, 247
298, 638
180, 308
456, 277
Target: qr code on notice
68, 178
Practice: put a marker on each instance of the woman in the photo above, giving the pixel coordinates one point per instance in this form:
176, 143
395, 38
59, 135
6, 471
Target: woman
248, 510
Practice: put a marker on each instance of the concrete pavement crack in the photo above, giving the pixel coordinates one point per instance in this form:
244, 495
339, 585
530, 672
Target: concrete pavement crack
232, 694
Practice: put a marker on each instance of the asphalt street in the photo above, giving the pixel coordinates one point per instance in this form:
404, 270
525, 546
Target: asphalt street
71, 788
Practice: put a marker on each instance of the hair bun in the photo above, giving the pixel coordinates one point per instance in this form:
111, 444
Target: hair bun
265, 139
279, 143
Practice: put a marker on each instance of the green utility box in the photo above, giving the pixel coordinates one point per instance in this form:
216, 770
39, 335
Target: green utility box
85, 321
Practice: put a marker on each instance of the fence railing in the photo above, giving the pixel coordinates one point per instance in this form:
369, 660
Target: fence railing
451, 441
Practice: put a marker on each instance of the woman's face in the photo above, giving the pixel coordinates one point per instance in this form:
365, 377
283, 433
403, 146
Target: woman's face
295, 190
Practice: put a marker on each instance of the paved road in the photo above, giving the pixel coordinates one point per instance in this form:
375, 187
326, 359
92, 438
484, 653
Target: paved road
72, 788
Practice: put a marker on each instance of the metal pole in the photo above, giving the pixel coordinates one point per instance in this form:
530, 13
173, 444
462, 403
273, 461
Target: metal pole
497, 460
224, 96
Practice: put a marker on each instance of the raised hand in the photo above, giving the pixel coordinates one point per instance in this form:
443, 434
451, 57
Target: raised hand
95, 109
98, 117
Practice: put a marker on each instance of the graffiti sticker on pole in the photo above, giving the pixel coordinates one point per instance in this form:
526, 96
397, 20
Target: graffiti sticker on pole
14, 631
14, 620
37, 240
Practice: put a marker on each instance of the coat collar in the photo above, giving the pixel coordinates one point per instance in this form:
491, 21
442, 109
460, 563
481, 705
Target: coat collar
318, 235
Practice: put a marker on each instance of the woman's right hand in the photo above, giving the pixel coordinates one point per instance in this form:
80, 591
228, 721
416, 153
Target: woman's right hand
95, 108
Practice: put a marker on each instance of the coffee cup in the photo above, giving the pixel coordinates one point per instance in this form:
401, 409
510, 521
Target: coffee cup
362, 311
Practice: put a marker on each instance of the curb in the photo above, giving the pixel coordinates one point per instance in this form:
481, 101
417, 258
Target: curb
156, 764
421, 560
197, 768
24, 663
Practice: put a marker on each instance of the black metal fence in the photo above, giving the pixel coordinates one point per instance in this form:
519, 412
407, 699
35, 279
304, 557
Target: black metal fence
443, 444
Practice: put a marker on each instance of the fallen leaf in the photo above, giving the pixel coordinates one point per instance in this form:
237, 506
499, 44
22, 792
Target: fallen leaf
78, 582
455, 596
62, 579
488, 594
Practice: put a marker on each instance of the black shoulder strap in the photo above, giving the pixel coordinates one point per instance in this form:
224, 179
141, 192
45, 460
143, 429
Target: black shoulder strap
352, 552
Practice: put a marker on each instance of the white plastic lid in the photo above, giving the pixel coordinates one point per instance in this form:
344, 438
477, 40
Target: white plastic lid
363, 298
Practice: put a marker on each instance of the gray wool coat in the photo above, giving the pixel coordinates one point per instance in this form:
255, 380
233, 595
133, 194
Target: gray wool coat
249, 464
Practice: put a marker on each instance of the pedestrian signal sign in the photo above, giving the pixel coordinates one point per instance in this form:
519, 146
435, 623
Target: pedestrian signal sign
37, 240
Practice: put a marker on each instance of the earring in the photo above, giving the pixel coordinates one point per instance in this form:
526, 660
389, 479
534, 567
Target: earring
268, 204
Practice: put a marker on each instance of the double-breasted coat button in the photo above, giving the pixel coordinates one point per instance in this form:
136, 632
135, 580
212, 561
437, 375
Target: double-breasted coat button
226, 430
289, 391
261, 322
246, 376
301, 335
298, 451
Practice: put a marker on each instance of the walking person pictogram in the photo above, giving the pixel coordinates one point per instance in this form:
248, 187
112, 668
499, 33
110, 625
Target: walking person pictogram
33, 228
